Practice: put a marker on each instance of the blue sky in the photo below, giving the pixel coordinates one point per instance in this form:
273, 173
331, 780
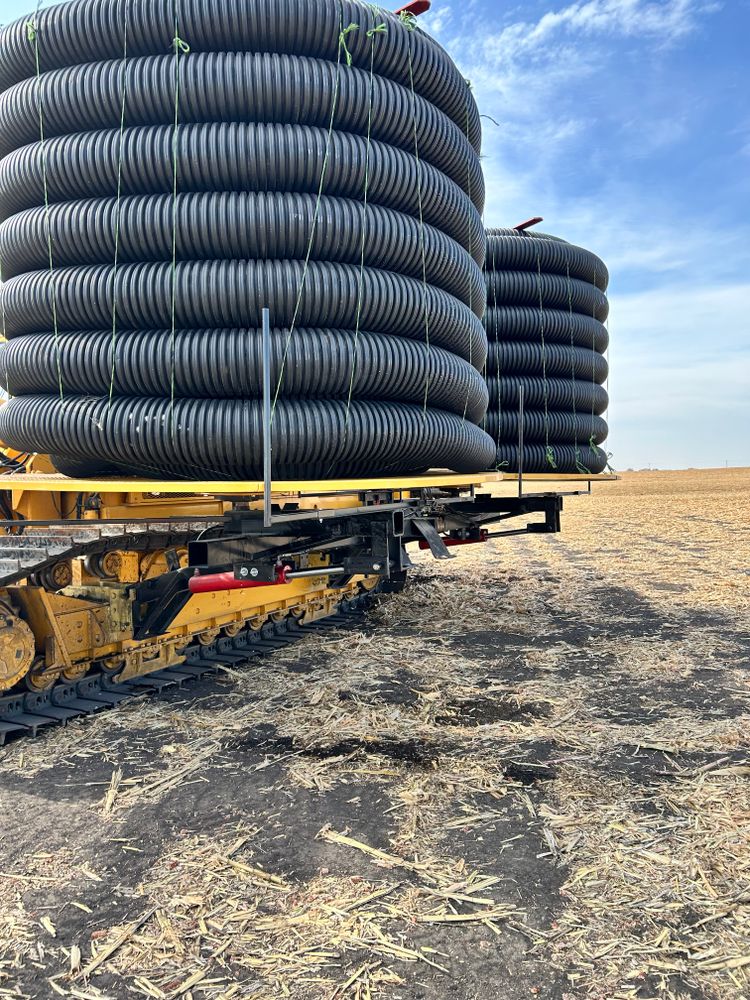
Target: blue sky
626, 125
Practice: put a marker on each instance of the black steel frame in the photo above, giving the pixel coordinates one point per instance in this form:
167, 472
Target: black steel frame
367, 540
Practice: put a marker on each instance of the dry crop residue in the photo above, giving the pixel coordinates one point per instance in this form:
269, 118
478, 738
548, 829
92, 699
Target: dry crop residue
526, 776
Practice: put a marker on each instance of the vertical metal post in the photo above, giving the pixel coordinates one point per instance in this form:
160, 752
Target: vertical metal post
267, 510
520, 439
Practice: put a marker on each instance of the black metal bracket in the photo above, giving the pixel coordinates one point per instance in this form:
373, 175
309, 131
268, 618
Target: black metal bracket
157, 602
427, 530
363, 541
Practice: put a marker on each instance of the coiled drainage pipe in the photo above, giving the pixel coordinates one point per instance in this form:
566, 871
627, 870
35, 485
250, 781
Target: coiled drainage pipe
546, 307
176, 166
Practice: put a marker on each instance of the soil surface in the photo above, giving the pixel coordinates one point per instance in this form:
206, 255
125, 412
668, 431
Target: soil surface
526, 776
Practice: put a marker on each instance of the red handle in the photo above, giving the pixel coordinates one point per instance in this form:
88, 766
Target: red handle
415, 8
523, 226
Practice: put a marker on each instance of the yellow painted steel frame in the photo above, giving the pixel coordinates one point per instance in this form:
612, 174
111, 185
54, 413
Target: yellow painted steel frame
218, 487
38, 496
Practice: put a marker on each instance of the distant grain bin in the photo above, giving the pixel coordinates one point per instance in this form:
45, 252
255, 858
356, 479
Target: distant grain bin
169, 169
546, 307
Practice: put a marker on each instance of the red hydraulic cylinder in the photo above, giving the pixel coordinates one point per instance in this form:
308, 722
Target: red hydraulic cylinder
210, 583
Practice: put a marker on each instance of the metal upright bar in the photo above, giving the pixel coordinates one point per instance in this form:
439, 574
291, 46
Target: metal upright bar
520, 439
267, 509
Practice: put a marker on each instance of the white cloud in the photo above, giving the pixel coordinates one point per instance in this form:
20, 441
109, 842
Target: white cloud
525, 75
523, 63
643, 240
665, 20
438, 20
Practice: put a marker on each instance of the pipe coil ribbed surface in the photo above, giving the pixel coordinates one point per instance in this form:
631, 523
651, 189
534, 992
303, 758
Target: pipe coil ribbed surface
546, 307
238, 226
154, 198
228, 363
223, 437
238, 156
86, 31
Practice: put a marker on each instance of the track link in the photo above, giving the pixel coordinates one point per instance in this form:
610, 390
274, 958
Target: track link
25, 714
22, 555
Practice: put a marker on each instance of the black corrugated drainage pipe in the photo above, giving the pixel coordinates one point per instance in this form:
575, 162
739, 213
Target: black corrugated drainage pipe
169, 169
546, 307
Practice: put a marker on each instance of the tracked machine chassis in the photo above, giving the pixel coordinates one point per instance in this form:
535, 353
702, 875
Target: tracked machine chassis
137, 586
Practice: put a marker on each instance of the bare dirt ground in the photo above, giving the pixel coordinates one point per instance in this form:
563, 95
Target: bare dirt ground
524, 777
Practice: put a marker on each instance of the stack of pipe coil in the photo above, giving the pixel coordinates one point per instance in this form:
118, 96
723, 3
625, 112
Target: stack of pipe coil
170, 168
546, 307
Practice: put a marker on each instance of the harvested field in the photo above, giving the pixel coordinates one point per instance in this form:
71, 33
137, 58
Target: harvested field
524, 777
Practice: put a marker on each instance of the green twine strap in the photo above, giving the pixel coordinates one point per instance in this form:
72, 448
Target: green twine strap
496, 332
549, 452
342, 42
593, 349
368, 146
316, 213
32, 34
180, 47
592, 446
609, 467
3, 338
421, 222
118, 207
468, 239
378, 29
573, 363
3, 335
580, 467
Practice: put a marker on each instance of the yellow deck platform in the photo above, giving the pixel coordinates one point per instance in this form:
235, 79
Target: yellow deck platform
562, 477
44, 482
53, 482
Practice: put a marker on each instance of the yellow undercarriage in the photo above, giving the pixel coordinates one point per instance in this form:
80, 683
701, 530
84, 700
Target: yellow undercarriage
78, 617
48, 634
67, 634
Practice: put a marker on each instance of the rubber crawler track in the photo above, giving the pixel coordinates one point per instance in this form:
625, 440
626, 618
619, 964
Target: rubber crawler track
26, 713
